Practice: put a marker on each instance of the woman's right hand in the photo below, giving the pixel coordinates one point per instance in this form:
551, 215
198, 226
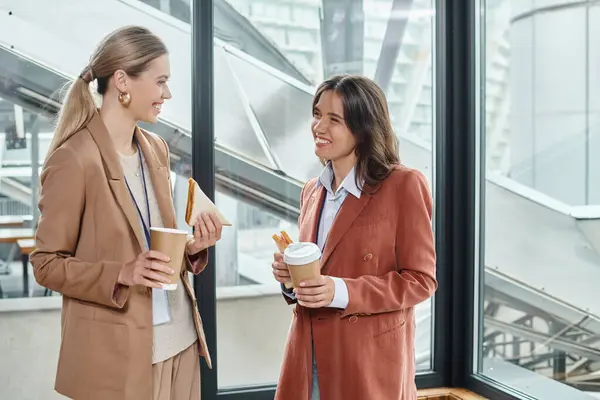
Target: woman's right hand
280, 269
145, 270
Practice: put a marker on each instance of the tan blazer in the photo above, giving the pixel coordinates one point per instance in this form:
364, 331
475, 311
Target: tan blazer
88, 229
382, 246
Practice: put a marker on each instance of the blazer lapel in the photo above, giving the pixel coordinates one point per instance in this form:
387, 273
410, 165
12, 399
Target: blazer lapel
350, 210
114, 171
160, 180
310, 224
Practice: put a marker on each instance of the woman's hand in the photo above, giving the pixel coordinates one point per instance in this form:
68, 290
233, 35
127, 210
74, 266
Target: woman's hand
280, 269
207, 231
316, 293
146, 270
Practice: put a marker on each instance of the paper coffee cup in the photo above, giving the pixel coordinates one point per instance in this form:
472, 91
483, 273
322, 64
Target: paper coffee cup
170, 242
303, 260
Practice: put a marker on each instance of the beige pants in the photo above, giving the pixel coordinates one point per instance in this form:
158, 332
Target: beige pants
178, 378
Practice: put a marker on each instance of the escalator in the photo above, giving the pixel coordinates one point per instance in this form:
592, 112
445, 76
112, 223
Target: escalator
233, 29
33, 87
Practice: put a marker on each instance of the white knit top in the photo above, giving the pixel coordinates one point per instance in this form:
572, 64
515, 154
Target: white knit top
175, 336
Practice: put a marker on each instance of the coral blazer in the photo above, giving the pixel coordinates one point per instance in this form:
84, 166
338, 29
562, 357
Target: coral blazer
382, 246
89, 228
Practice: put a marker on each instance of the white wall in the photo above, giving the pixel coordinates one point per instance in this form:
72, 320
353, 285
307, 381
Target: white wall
555, 100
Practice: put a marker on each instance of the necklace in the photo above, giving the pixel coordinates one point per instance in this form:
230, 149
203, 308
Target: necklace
136, 163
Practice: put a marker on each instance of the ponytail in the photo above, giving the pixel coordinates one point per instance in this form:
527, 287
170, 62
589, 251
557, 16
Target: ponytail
77, 110
131, 49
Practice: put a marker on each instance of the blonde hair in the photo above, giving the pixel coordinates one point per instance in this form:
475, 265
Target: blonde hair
131, 49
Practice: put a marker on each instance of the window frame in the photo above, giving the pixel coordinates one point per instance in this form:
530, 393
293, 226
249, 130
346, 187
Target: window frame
458, 179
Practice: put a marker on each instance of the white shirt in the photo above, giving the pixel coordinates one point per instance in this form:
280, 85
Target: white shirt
331, 206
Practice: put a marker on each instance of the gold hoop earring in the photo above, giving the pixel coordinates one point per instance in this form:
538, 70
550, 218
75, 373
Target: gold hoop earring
124, 99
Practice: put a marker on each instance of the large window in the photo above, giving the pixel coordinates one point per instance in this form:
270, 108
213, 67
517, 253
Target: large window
540, 315
494, 101
269, 56
38, 55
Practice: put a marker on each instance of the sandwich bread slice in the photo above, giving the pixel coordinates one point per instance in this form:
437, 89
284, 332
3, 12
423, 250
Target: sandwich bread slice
198, 202
283, 241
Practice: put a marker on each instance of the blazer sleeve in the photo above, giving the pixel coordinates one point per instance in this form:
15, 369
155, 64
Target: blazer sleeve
414, 279
288, 294
62, 202
195, 263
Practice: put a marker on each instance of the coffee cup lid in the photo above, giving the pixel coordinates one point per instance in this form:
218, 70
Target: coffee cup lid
301, 253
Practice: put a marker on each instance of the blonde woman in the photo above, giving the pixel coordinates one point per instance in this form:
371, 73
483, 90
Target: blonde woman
105, 182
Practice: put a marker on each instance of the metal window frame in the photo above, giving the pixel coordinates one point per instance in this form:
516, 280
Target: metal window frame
458, 178
460, 142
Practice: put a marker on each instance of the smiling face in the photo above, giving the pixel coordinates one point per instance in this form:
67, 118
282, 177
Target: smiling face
333, 140
148, 90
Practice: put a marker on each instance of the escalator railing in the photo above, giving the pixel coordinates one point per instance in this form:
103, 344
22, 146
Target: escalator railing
37, 91
232, 28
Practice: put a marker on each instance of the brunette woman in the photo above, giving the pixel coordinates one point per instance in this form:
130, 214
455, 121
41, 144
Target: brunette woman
353, 329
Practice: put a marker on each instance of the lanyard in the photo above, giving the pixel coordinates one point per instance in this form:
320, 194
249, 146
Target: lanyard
146, 227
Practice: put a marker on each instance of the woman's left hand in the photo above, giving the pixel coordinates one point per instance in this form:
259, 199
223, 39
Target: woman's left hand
207, 231
316, 293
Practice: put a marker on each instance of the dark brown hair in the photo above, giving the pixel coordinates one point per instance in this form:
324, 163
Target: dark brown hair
367, 117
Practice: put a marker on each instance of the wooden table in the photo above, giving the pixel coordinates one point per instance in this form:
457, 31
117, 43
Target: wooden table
12, 235
14, 221
26, 246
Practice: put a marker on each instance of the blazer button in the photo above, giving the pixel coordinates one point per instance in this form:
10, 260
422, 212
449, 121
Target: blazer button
353, 319
368, 257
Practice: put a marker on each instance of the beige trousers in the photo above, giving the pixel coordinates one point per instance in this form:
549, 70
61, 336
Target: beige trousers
178, 378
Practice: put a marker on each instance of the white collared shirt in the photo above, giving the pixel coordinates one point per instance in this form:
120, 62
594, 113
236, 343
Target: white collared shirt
331, 206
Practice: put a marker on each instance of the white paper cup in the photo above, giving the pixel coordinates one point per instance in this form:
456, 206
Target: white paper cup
303, 260
170, 242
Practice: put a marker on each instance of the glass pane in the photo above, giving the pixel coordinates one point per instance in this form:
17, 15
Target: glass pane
235, 122
278, 107
23, 135
232, 28
38, 54
540, 315
253, 319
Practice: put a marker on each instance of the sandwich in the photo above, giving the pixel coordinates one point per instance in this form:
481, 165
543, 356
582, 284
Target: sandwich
283, 241
198, 202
